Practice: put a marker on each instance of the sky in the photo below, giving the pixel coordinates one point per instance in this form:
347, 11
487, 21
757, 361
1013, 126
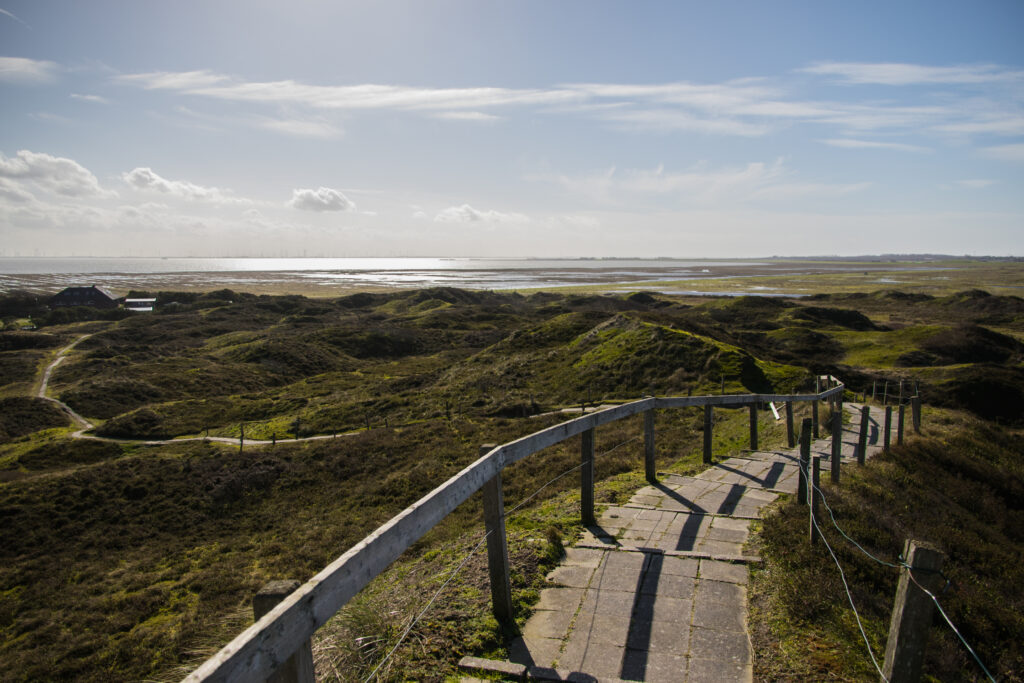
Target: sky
511, 129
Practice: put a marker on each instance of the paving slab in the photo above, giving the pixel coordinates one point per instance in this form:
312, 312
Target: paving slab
656, 591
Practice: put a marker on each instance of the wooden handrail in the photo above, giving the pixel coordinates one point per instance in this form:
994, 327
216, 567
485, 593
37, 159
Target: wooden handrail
259, 650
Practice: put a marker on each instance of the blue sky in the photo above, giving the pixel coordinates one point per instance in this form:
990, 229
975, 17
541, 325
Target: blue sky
462, 128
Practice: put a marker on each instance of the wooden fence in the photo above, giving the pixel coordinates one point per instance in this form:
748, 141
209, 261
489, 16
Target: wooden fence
263, 648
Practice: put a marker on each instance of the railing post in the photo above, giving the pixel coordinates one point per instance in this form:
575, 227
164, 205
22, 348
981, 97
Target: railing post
815, 496
789, 424
887, 437
837, 444
899, 424
587, 478
915, 413
497, 548
649, 469
805, 461
862, 438
814, 418
753, 426
299, 667
912, 613
708, 415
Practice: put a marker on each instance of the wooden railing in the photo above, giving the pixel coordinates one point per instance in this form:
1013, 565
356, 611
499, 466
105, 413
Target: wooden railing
263, 648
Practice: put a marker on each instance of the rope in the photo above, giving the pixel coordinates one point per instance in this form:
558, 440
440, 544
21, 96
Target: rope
426, 607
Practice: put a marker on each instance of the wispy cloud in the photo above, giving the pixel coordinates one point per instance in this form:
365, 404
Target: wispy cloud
1005, 152
467, 214
893, 73
850, 143
306, 128
24, 70
467, 116
976, 183
96, 99
12, 16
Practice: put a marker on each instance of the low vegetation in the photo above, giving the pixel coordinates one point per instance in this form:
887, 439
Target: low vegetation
960, 486
129, 561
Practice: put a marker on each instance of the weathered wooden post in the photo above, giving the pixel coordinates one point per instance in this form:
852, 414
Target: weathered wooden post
814, 418
862, 438
912, 612
885, 394
805, 461
837, 444
753, 426
299, 667
899, 424
874, 388
915, 413
789, 424
587, 478
497, 548
241, 436
649, 469
887, 436
815, 495
708, 422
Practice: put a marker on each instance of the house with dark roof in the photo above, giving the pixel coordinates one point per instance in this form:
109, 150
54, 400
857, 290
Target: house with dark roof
94, 296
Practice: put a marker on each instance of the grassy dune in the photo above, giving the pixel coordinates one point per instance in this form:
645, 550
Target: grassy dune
126, 561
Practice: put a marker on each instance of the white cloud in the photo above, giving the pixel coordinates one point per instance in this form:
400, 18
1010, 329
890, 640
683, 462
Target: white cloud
23, 70
11, 15
1008, 125
321, 199
300, 127
144, 178
14, 192
172, 80
976, 183
96, 99
54, 174
467, 214
467, 116
1005, 152
850, 143
914, 74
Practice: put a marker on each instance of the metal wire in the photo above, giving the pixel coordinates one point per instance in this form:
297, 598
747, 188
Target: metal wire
423, 611
846, 586
948, 621
904, 565
568, 471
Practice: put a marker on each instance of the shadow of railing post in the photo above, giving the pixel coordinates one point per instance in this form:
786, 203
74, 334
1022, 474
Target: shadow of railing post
287, 628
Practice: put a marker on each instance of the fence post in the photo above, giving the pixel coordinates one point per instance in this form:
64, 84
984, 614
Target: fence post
885, 394
915, 413
899, 424
789, 424
497, 548
587, 478
649, 470
815, 497
887, 437
708, 414
912, 613
299, 667
862, 438
837, 444
805, 461
814, 418
753, 426
241, 436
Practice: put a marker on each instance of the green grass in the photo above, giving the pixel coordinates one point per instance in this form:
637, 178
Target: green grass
958, 486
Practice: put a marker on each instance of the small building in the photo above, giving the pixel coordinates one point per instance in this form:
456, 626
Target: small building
140, 305
94, 296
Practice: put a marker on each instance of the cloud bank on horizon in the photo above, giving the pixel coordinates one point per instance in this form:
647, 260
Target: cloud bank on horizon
811, 139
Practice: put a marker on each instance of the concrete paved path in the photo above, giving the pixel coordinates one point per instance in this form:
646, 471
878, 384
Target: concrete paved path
657, 590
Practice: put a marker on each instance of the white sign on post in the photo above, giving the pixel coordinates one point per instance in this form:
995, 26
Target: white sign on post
775, 411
